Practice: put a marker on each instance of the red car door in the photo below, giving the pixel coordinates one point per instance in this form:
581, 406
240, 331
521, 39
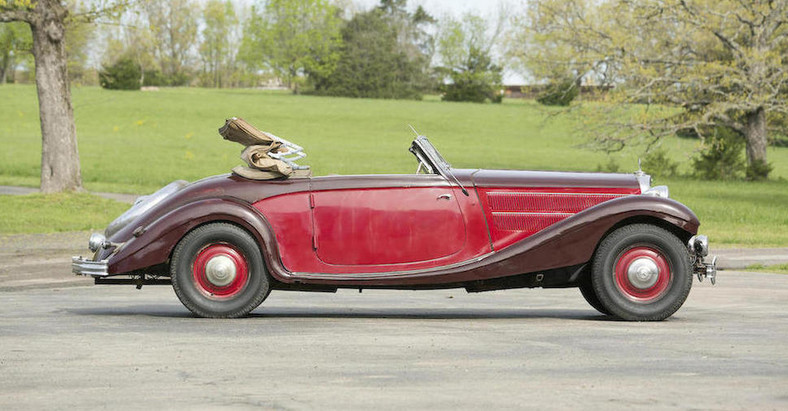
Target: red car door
373, 226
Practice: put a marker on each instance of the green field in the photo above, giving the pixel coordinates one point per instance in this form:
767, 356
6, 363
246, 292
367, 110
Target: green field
135, 142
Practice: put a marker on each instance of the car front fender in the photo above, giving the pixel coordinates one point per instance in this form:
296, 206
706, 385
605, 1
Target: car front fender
153, 243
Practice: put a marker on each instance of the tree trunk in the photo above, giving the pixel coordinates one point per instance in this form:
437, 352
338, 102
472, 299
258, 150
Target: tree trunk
755, 134
59, 156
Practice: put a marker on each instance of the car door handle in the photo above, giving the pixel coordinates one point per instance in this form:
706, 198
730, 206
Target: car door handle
444, 197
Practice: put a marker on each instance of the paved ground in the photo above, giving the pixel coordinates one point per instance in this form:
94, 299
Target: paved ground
65, 344
116, 347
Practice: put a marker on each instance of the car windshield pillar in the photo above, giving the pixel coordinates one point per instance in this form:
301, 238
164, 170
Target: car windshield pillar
432, 160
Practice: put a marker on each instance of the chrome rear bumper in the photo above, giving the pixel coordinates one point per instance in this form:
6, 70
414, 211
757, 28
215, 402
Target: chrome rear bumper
82, 266
698, 247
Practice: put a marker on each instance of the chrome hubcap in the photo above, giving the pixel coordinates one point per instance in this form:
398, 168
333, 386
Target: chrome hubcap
220, 270
643, 273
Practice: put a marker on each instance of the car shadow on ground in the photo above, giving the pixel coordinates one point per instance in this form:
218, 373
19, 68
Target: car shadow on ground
174, 311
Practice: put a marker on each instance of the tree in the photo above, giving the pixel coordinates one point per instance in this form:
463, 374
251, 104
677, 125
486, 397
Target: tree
465, 46
293, 37
219, 45
370, 64
15, 41
711, 62
173, 25
47, 19
79, 35
131, 37
384, 53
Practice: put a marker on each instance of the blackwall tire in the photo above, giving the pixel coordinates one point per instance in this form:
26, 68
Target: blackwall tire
587, 291
641, 272
217, 271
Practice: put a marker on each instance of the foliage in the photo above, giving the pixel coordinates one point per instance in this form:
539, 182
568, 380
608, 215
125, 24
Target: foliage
292, 38
172, 36
464, 46
758, 170
15, 44
220, 42
480, 81
80, 36
659, 163
560, 93
611, 166
371, 62
721, 157
720, 62
123, 75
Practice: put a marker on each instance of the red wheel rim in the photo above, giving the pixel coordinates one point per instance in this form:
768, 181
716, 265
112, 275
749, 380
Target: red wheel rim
220, 271
642, 274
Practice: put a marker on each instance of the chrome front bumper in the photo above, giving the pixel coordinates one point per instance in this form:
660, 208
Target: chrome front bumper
82, 266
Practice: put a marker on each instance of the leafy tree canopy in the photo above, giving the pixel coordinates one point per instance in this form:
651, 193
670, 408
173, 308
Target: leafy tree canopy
721, 62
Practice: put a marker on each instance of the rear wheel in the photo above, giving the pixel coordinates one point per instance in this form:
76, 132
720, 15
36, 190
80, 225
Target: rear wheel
641, 272
217, 271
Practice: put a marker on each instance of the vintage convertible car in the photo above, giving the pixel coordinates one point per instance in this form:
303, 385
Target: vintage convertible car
226, 241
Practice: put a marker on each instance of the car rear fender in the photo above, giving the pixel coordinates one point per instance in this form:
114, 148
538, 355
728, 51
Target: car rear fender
156, 241
574, 240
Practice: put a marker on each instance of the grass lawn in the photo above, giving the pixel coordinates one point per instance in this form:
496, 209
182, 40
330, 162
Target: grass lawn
38, 213
136, 142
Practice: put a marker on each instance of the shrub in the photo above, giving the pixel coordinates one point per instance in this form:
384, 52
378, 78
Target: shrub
477, 81
123, 75
473, 87
612, 166
153, 78
722, 157
560, 93
758, 170
658, 164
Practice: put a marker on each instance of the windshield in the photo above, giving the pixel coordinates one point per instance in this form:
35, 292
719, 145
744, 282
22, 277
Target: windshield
429, 156
431, 160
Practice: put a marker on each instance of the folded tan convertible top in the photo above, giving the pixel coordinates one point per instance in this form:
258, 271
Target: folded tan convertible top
266, 155
238, 130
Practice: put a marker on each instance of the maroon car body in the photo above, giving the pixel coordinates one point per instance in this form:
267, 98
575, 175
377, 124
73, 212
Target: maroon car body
471, 228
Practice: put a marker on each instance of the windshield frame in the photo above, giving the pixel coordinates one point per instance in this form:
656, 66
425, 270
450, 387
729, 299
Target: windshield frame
428, 155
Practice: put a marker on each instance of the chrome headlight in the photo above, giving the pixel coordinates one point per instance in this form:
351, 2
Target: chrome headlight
142, 205
96, 241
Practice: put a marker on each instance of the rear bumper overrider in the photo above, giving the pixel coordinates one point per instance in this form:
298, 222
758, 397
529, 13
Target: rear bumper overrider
698, 247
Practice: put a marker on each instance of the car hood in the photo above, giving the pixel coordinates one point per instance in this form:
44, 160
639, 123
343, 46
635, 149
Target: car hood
518, 178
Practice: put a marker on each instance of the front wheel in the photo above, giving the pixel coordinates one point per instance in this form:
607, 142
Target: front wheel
217, 271
641, 272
